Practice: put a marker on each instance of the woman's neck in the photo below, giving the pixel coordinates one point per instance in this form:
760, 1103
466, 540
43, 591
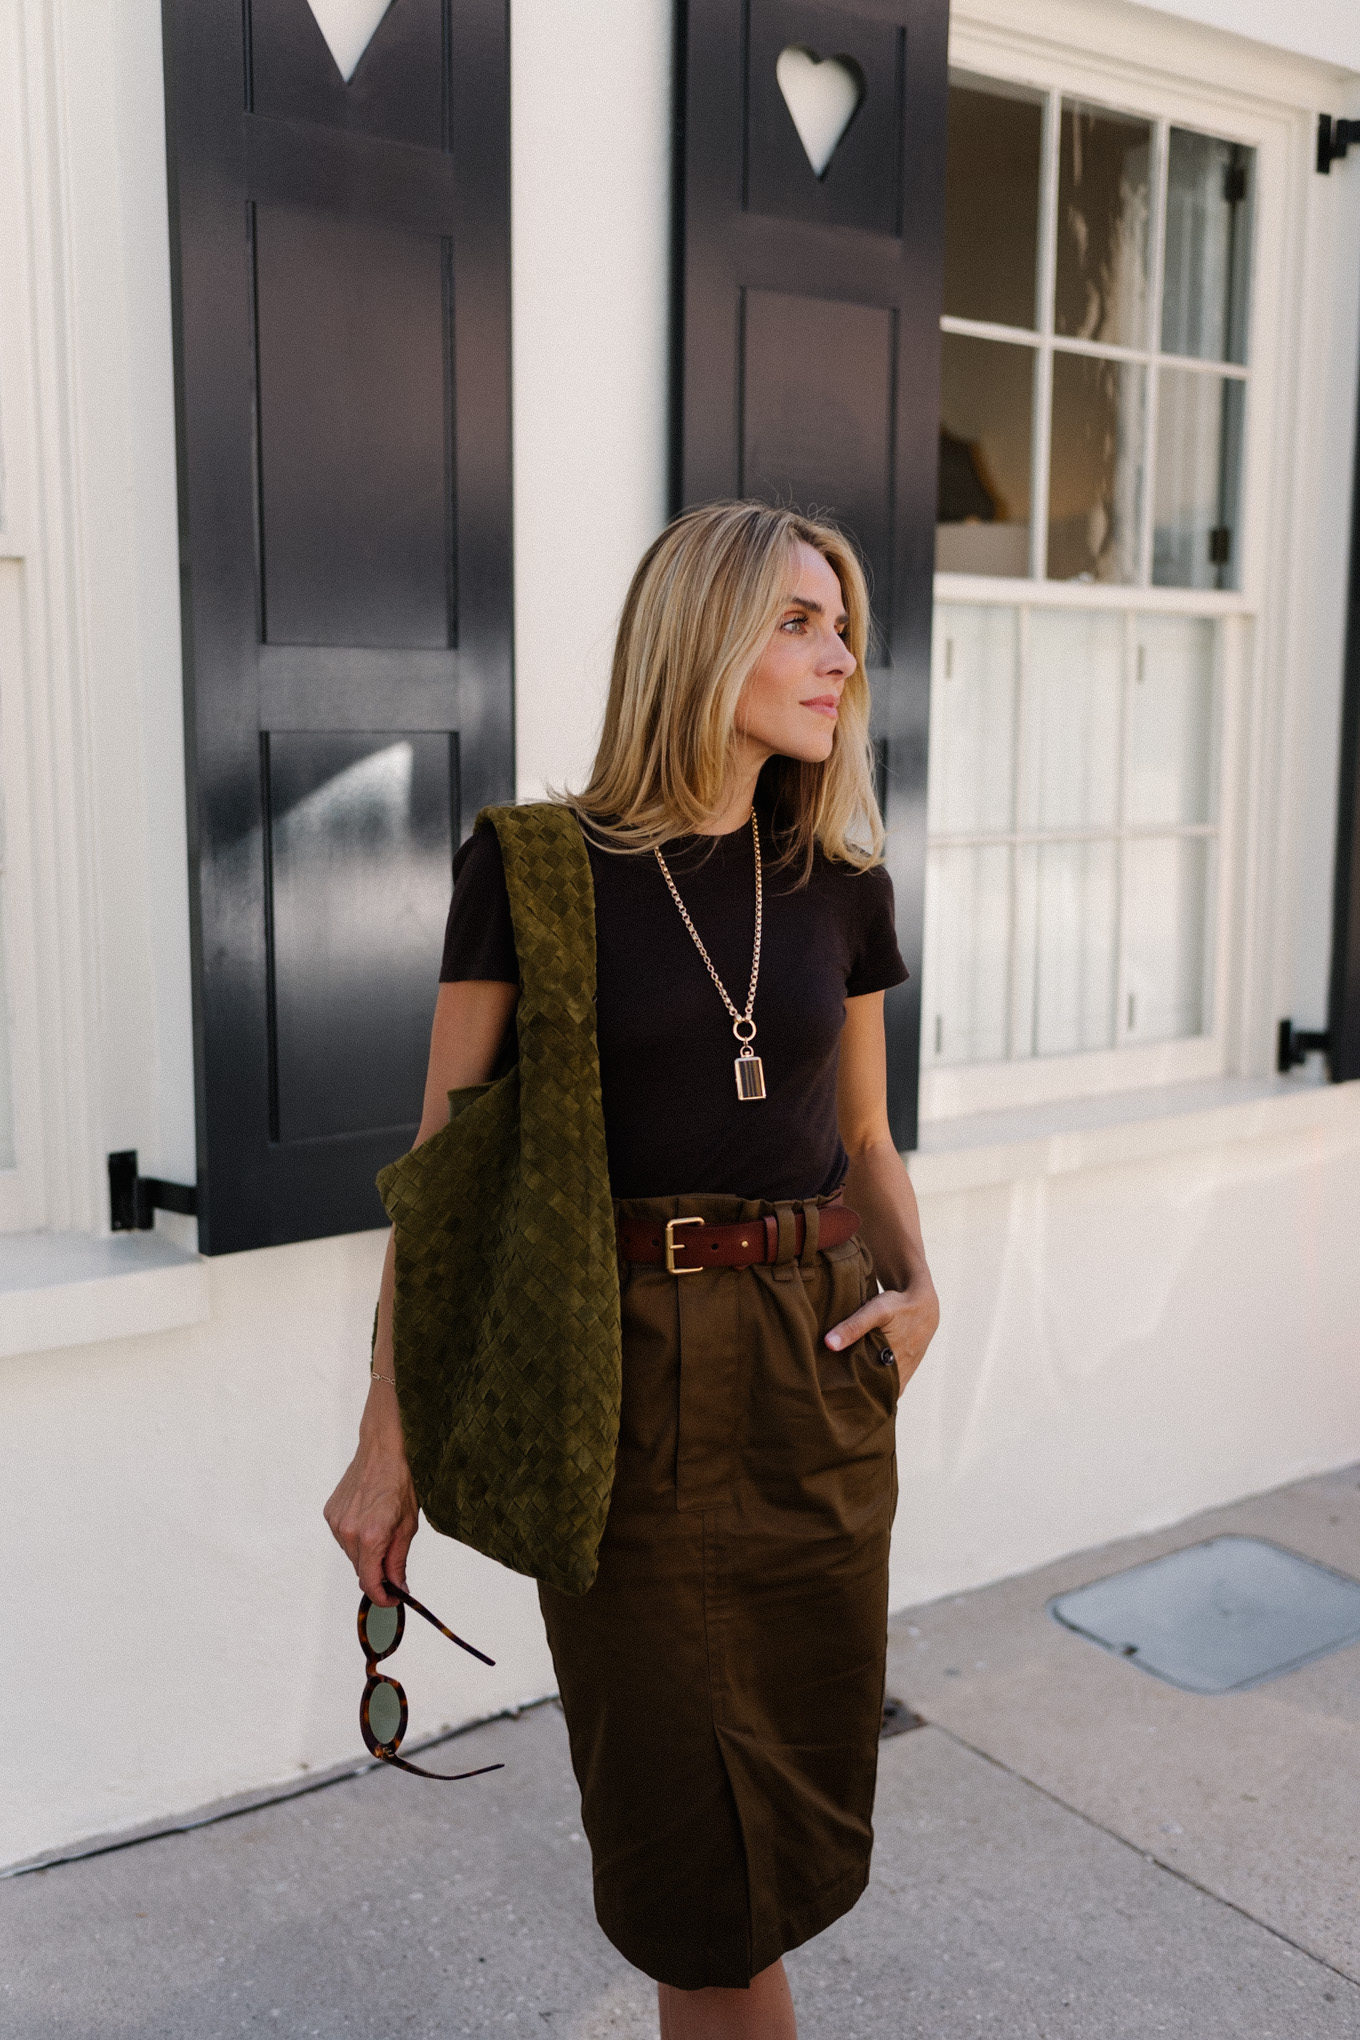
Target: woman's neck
738, 799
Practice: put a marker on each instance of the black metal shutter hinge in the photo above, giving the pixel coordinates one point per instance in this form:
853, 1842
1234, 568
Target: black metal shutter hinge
134, 1199
1334, 138
1296, 1045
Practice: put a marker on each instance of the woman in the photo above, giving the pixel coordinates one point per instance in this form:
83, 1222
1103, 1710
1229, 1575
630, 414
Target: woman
723, 1678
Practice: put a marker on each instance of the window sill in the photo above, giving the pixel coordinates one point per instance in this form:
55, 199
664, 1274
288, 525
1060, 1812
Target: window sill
985, 1148
70, 1289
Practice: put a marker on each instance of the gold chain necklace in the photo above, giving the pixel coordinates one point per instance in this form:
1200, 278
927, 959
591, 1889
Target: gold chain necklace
750, 1071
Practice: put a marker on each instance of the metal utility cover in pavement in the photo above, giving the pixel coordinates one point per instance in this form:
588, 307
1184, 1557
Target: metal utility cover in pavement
1220, 1616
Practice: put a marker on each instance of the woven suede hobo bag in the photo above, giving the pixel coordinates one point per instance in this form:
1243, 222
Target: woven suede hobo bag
505, 1327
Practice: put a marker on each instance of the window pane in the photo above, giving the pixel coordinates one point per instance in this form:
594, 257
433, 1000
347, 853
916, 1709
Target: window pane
1170, 741
967, 947
972, 720
1071, 892
1103, 204
1209, 200
1075, 669
1166, 886
1199, 460
1096, 481
986, 412
991, 218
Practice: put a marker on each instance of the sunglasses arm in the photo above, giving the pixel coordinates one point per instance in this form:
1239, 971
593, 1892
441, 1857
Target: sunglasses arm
410, 1601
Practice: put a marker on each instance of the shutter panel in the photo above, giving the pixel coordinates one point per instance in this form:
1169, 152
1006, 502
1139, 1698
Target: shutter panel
808, 342
341, 304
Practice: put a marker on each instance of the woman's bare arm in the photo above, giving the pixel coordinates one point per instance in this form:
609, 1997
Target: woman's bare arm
879, 1188
373, 1513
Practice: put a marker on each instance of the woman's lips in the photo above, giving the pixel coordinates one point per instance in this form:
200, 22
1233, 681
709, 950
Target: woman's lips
823, 704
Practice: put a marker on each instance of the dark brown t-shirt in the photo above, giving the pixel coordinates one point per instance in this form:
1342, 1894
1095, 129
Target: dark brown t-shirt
673, 1120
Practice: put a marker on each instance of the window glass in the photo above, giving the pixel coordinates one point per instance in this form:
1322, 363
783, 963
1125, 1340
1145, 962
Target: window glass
1096, 481
1198, 463
1071, 961
1073, 828
1208, 247
1086, 382
991, 236
1103, 208
1171, 714
968, 913
1165, 918
1072, 699
972, 720
986, 420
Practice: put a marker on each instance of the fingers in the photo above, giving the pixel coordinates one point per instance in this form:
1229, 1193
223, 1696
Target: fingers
875, 1312
394, 1565
371, 1564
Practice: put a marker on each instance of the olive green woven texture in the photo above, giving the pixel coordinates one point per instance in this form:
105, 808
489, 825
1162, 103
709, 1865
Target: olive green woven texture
506, 1320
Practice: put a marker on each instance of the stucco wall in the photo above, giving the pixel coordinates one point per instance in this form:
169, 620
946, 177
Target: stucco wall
1120, 1346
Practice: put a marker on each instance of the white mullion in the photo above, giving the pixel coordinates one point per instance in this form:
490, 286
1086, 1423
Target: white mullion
1145, 832
1161, 156
1127, 681
1019, 748
988, 329
1046, 281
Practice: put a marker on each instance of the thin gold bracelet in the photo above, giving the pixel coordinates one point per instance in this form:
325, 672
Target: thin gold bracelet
374, 1375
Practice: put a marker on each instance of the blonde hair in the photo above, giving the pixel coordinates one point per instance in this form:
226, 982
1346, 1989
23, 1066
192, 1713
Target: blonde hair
699, 613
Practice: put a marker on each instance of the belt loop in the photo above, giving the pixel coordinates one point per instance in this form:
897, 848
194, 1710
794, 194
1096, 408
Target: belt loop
788, 1234
812, 1224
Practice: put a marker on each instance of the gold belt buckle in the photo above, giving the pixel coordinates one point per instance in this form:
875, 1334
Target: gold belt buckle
672, 1243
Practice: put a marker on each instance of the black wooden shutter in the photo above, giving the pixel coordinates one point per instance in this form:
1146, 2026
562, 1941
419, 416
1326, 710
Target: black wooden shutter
1343, 1020
809, 345
341, 303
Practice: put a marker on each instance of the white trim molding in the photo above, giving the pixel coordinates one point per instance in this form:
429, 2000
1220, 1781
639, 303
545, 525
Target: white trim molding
91, 732
44, 662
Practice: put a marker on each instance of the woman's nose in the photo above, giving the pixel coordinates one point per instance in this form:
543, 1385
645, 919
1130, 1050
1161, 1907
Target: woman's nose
837, 657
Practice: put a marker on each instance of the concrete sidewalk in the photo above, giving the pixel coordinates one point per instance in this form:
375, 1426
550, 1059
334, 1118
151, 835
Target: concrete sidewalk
1068, 1848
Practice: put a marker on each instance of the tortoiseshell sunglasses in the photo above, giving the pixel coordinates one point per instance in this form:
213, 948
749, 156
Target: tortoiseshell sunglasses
382, 1711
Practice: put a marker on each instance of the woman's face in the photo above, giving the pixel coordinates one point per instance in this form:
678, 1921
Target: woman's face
789, 705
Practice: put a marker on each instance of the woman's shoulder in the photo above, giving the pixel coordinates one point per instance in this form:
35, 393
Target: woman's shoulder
478, 861
857, 884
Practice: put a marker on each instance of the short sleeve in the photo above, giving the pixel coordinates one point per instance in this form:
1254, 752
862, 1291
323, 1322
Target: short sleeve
876, 962
479, 941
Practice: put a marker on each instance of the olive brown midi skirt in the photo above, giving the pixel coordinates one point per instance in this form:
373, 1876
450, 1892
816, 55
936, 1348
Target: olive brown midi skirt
723, 1678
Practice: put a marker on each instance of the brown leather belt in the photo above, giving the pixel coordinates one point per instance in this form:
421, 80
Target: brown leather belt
742, 1245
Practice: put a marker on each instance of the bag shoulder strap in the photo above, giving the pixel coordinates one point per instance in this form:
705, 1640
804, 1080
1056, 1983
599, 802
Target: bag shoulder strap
552, 905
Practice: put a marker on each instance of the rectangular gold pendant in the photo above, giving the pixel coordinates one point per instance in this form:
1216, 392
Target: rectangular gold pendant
750, 1077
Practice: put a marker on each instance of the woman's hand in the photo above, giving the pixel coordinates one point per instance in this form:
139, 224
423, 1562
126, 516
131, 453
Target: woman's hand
373, 1514
906, 1318
906, 1310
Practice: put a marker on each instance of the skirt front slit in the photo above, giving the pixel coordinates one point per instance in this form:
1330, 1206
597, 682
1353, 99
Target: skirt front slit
723, 1678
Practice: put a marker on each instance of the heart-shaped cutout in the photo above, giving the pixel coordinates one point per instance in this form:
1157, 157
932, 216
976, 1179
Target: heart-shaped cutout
349, 26
823, 95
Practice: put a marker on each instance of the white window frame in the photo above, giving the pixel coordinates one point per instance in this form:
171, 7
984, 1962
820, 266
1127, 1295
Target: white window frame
51, 942
1079, 51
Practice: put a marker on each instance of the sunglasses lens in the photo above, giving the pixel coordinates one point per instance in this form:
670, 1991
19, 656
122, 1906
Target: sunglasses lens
380, 1627
384, 1707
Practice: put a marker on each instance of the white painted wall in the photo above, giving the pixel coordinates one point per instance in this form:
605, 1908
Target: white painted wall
591, 144
1123, 1342
1326, 30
